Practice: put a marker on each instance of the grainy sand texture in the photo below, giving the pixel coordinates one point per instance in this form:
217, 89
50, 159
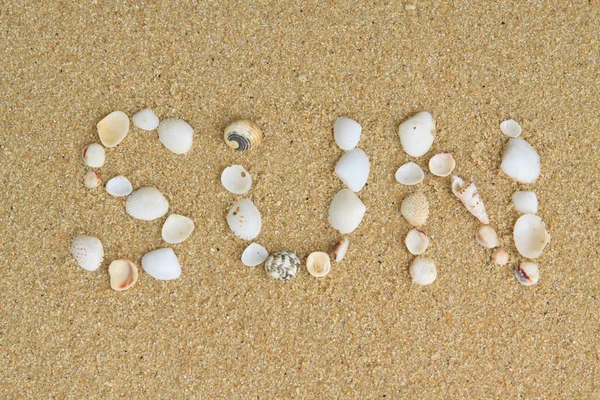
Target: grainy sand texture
223, 330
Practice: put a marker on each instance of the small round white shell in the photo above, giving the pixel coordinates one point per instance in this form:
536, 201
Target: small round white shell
531, 236
416, 241
113, 128
161, 264
92, 179
318, 264
254, 255
520, 161
119, 186
487, 237
525, 202
442, 164
145, 119
94, 155
527, 273
177, 228
346, 133
176, 135
346, 211
417, 134
410, 174
423, 271
244, 219
236, 179
510, 128
501, 256
353, 169
87, 252
147, 203
123, 274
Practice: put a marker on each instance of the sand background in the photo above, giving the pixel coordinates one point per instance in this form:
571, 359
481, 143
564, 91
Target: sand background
227, 331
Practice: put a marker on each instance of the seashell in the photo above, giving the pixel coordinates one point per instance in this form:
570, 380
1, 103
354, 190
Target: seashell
487, 237
340, 249
530, 236
176, 135
123, 274
415, 208
416, 241
244, 219
147, 204
410, 174
162, 264
177, 228
417, 134
318, 264
353, 169
119, 186
423, 271
520, 161
501, 256
94, 155
470, 197
113, 128
236, 179
527, 273
254, 255
346, 211
145, 119
282, 265
92, 179
525, 202
511, 128
346, 133
243, 135
442, 164
87, 252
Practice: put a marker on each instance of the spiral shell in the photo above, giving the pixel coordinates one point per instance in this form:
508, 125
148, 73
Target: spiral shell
282, 265
243, 135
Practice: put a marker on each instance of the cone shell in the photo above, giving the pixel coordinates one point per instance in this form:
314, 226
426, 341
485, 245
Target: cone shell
442, 164
243, 135
531, 236
468, 194
415, 208
318, 264
94, 155
177, 228
87, 252
282, 265
123, 274
113, 128
92, 179
423, 271
527, 273
244, 220
416, 241
147, 203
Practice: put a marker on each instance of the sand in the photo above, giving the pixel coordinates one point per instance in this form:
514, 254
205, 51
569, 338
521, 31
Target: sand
227, 331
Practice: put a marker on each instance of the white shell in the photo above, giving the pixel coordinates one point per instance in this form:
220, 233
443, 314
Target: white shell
145, 119
177, 228
113, 128
527, 273
353, 169
415, 208
87, 252
416, 241
346, 211
147, 203
530, 235
318, 264
346, 133
417, 134
123, 274
176, 135
92, 179
162, 264
487, 237
119, 186
501, 256
511, 128
470, 197
94, 155
525, 202
244, 219
236, 179
254, 255
442, 164
423, 271
410, 174
520, 161
340, 249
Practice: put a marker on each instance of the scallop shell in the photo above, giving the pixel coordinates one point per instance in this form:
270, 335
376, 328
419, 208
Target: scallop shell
531, 236
119, 186
501, 256
244, 220
525, 202
470, 197
417, 134
410, 174
346, 133
145, 119
318, 264
176, 135
123, 274
113, 128
92, 179
339, 250
511, 128
416, 241
346, 211
236, 179
147, 203
161, 264
487, 237
527, 273
415, 208
254, 255
94, 155
353, 169
442, 164
520, 161
243, 135
423, 271
87, 252
177, 228
283, 265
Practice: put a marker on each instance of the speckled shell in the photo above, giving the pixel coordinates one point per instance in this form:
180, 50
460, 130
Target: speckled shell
243, 135
282, 265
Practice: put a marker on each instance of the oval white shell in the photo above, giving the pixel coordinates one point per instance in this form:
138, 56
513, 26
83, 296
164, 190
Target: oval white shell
423, 271
527, 273
176, 135
511, 128
415, 208
236, 179
346, 211
525, 202
346, 133
442, 164
94, 155
520, 161
177, 228
318, 264
487, 237
416, 241
92, 179
468, 194
243, 135
530, 236
162, 264
147, 203
410, 174
254, 255
87, 252
244, 219
501, 256
353, 169
123, 274
283, 265
145, 119
113, 128
417, 134
119, 186
339, 250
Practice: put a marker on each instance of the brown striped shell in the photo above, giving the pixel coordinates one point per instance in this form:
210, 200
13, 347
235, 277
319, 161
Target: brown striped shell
243, 135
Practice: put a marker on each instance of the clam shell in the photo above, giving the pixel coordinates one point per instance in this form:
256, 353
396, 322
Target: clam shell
487, 237
527, 273
123, 274
162, 264
282, 265
511, 128
469, 195
236, 179
346, 133
87, 252
113, 128
410, 174
501, 256
145, 119
416, 241
423, 271
94, 155
92, 179
244, 220
525, 202
531, 236
417, 134
520, 161
147, 203
415, 208
346, 211
254, 255
339, 250
119, 186
318, 264
176, 135
353, 169
177, 228
442, 164
243, 135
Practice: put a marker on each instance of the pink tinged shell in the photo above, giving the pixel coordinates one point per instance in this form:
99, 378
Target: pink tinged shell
527, 273
123, 274
468, 194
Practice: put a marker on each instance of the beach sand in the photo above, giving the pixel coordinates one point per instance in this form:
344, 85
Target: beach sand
223, 330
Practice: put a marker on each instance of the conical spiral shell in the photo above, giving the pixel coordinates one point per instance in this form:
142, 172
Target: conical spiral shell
243, 135
470, 197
